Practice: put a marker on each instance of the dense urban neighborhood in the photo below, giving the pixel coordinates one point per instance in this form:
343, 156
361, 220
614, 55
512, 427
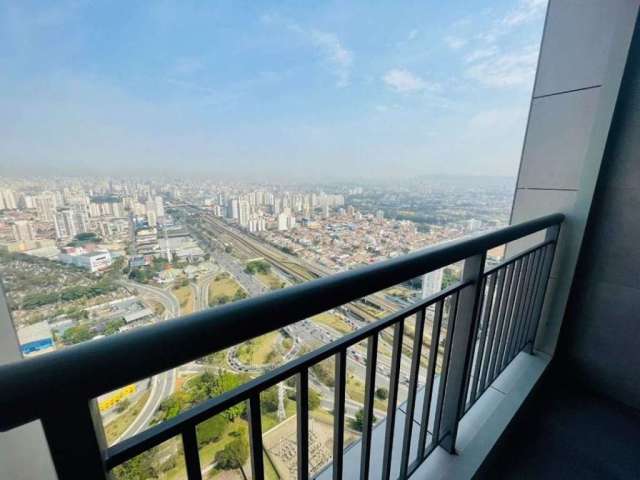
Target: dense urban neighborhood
82, 259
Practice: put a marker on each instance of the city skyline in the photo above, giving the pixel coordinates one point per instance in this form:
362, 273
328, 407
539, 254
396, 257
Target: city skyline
271, 91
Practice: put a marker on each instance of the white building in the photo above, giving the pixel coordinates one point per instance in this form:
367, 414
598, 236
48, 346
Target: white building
159, 207
432, 283
8, 200
92, 261
23, 231
244, 210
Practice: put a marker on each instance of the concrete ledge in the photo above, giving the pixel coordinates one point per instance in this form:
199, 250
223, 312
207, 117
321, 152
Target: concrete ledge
485, 422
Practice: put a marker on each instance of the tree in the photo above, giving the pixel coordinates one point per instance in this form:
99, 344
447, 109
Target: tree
257, 266
358, 422
122, 405
314, 399
211, 430
382, 393
113, 326
222, 299
233, 455
239, 295
139, 467
269, 399
77, 334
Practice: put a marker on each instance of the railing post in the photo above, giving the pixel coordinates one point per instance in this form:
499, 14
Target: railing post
461, 350
76, 440
551, 235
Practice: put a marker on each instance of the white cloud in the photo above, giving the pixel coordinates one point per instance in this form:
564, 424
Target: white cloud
526, 11
404, 81
337, 56
481, 53
454, 43
506, 70
335, 53
413, 34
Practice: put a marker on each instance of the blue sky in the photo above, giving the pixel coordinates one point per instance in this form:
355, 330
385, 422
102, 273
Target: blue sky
274, 89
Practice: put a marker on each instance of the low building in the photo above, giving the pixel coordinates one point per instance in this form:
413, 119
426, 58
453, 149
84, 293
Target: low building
138, 315
93, 261
36, 339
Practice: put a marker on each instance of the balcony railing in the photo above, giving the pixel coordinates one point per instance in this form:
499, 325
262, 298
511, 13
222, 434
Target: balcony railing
478, 325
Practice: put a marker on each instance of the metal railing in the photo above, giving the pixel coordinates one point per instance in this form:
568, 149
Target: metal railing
477, 326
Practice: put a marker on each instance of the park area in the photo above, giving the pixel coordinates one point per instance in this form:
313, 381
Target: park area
224, 289
263, 350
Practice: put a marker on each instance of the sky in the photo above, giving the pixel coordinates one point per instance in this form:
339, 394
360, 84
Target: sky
267, 89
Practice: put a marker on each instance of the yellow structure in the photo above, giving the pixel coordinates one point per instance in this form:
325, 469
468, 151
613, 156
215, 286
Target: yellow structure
116, 397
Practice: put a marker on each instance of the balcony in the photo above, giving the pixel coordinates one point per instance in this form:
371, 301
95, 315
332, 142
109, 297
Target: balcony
475, 329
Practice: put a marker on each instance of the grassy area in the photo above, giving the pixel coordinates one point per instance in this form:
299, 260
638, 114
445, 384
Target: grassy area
209, 451
157, 307
270, 420
223, 289
260, 350
116, 427
185, 298
355, 391
270, 280
334, 321
400, 292
374, 312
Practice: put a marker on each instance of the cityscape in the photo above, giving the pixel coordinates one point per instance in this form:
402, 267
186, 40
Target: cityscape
86, 258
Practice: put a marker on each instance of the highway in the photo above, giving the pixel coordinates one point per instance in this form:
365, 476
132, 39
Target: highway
162, 385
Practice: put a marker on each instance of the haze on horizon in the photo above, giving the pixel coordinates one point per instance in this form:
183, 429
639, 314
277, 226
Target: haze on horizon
273, 89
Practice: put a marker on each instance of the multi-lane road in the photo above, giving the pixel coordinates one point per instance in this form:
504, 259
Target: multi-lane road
162, 385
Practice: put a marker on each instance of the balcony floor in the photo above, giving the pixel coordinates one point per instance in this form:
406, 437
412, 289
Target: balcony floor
568, 432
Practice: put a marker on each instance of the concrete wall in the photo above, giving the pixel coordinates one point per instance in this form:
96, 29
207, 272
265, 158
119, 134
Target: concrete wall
601, 338
24, 454
582, 58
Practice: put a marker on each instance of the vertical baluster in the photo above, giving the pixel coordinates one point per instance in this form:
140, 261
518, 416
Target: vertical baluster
475, 345
483, 337
509, 275
255, 437
461, 351
191, 456
369, 389
445, 367
534, 292
508, 316
338, 414
493, 331
517, 308
394, 378
428, 388
302, 414
411, 396
529, 289
551, 235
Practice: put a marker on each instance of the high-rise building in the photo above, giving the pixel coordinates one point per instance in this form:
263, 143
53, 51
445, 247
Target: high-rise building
46, 206
23, 231
8, 200
152, 218
68, 223
432, 282
244, 210
159, 206
282, 221
233, 208
325, 211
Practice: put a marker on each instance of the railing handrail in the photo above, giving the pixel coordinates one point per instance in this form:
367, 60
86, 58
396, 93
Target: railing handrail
31, 388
